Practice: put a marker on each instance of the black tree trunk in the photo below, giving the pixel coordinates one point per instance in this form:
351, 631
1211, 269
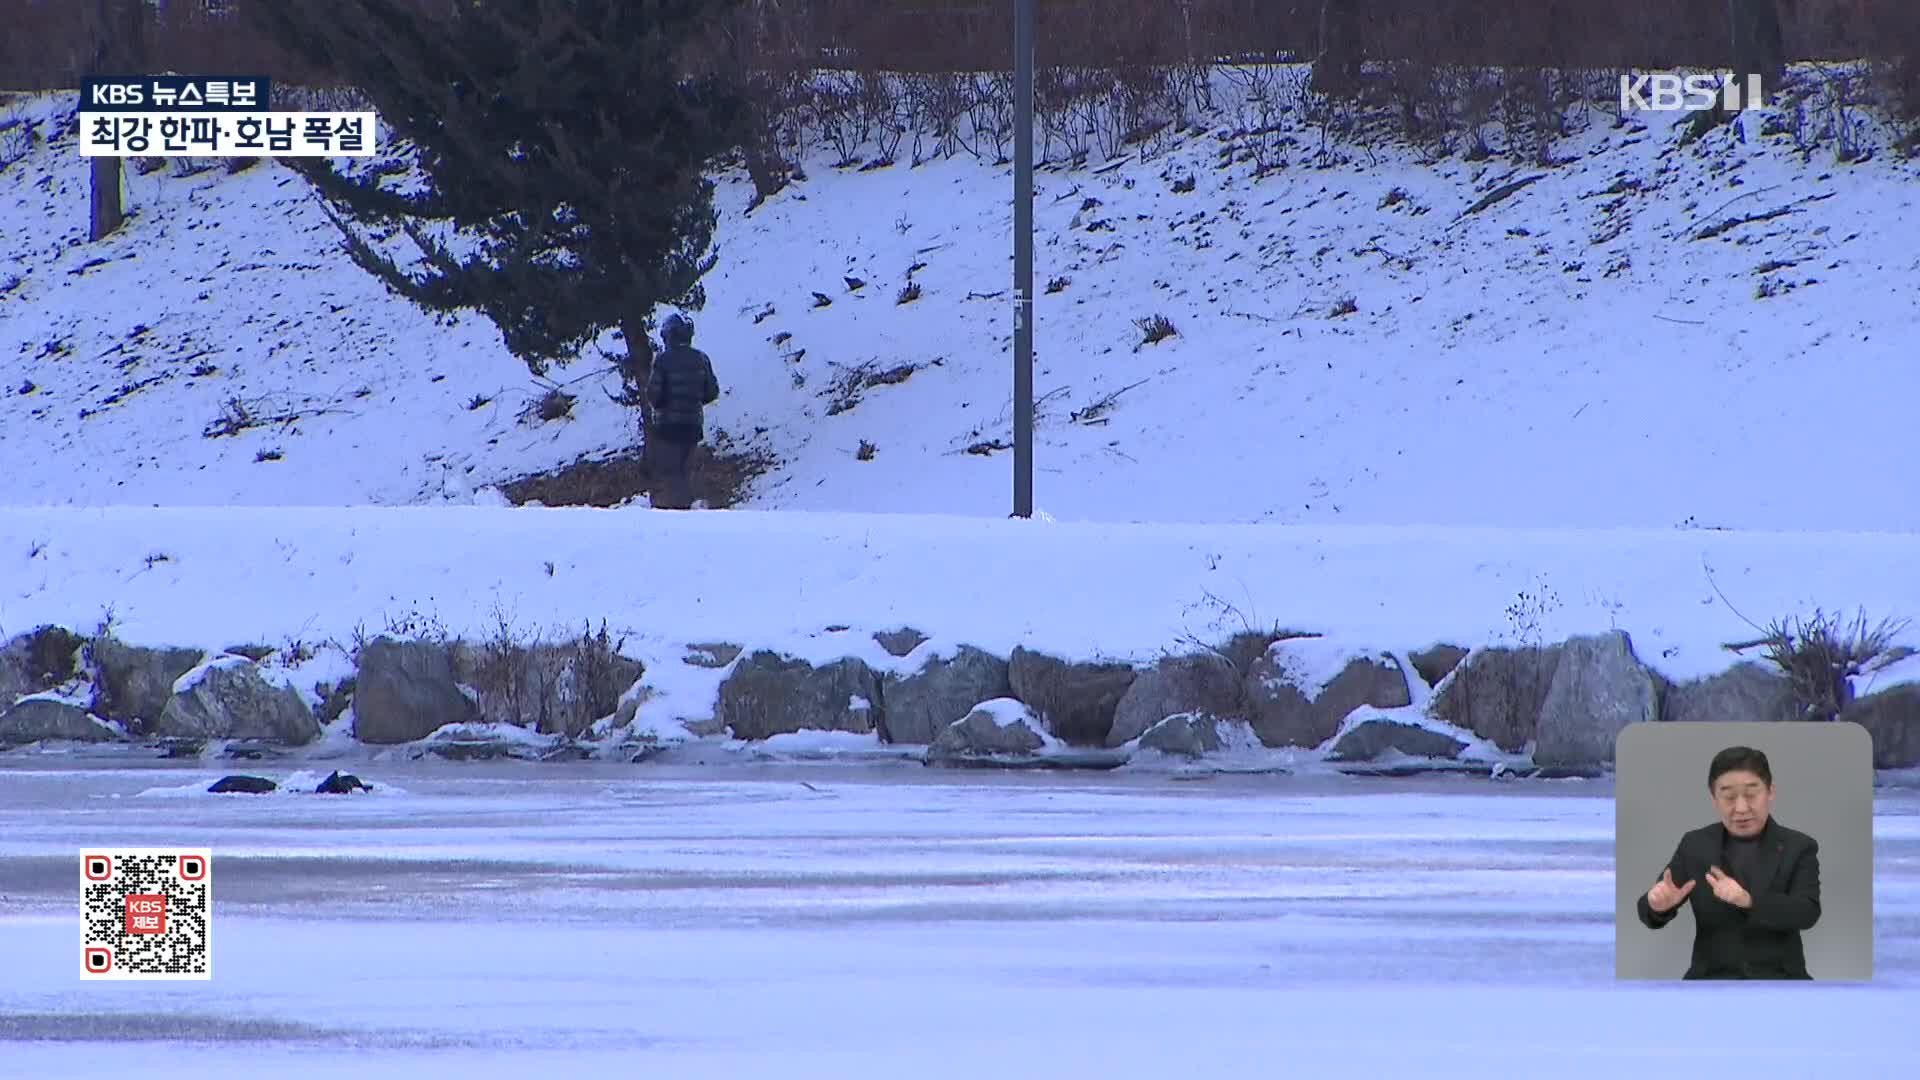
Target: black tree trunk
1757, 45
118, 49
1336, 69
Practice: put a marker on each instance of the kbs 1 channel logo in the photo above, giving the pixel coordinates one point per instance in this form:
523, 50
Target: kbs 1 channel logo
210, 116
1666, 91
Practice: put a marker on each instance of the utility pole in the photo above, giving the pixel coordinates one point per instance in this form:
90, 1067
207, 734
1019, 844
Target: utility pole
1023, 258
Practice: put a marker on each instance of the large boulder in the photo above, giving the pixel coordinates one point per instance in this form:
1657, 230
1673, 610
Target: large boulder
228, 698
1435, 664
48, 720
339, 783
899, 642
38, 661
407, 690
945, 688
1372, 738
1187, 735
1291, 706
133, 684
243, 785
1203, 683
1598, 689
1892, 718
1497, 694
1746, 691
1001, 728
770, 694
1076, 701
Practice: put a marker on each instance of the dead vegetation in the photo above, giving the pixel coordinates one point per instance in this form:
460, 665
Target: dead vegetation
723, 475
1155, 329
238, 415
851, 383
558, 685
1821, 655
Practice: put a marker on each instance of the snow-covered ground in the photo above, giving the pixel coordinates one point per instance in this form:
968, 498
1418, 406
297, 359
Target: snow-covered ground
1572, 356
482, 921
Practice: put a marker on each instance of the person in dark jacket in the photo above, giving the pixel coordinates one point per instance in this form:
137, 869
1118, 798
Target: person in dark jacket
679, 389
1754, 883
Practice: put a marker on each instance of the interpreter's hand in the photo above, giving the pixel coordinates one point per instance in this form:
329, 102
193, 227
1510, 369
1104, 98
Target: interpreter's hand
1665, 895
1728, 890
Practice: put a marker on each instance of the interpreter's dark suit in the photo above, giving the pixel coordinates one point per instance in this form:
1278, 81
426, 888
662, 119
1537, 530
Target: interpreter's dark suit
1761, 942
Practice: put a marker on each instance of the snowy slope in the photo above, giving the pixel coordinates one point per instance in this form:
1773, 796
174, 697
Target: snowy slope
1569, 357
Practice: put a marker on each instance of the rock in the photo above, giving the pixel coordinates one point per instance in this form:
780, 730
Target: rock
714, 655
256, 653
228, 698
921, 705
1185, 735
1892, 719
771, 694
134, 684
1497, 694
1076, 701
339, 783
1370, 739
1435, 664
38, 661
1402, 769
251, 750
645, 700
479, 749
1745, 691
1284, 715
406, 690
244, 785
899, 643
334, 700
1598, 688
1202, 683
46, 720
999, 728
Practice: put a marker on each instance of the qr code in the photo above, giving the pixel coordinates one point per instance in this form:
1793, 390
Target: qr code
146, 913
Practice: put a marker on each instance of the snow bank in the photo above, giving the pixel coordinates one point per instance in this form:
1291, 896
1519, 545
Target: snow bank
817, 585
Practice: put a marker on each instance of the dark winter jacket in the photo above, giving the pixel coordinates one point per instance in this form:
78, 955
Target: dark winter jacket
1761, 942
681, 387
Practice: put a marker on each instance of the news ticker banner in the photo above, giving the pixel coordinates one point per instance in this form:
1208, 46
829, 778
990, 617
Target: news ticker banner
210, 116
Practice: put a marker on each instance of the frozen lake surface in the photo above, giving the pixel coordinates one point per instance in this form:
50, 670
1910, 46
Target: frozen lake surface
481, 920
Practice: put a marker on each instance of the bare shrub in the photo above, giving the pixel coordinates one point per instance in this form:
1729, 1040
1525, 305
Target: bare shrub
1821, 655
1155, 329
937, 105
558, 688
554, 404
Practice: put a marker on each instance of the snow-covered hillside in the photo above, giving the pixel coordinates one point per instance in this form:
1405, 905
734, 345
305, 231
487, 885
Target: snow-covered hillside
1721, 335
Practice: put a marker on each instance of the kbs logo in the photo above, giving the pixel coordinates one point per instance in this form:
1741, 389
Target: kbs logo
1667, 91
147, 914
103, 93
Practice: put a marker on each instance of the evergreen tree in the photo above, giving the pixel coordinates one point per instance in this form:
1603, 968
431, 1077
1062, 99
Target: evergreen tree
570, 138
